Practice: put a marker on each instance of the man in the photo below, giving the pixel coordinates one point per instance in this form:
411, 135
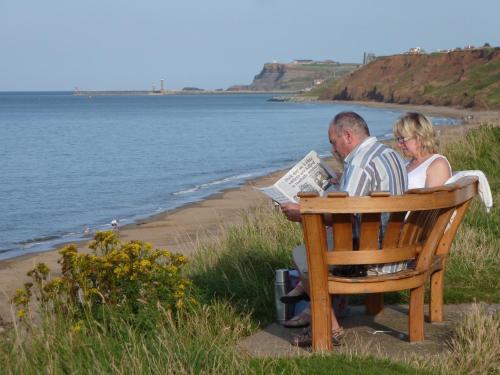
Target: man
368, 166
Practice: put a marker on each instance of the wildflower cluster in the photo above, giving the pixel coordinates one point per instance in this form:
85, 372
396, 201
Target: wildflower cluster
131, 278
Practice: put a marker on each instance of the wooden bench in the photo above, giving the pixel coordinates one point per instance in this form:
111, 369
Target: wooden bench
418, 228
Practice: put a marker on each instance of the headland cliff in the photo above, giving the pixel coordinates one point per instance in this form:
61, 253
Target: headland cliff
465, 78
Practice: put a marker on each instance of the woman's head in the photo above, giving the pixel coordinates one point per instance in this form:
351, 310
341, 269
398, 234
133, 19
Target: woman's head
414, 133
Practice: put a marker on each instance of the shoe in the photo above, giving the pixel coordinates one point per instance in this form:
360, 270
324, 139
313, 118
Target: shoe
305, 339
294, 296
298, 321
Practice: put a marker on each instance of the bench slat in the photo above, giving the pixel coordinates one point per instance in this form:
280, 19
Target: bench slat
372, 256
370, 227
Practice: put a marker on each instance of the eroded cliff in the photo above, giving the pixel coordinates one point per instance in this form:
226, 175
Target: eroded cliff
469, 78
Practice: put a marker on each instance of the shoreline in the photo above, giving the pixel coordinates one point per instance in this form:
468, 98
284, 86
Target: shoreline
180, 229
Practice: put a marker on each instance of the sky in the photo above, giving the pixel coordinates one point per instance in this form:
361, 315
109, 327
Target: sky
131, 45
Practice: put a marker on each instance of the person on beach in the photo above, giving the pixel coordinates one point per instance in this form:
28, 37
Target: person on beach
417, 139
368, 166
114, 225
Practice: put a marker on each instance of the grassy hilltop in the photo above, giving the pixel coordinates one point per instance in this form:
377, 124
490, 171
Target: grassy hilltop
468, 78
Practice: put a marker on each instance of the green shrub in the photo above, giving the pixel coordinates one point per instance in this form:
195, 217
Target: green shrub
128, 279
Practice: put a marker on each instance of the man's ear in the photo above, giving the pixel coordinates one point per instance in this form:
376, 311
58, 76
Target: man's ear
348, 134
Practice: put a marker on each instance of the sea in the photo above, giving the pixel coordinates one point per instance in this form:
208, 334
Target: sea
74, 163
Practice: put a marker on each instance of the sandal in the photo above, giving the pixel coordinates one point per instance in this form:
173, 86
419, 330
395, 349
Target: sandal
305, 339
298, 321
295, 295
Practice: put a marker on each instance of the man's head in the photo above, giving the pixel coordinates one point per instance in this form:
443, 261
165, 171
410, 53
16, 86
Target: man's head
347, 130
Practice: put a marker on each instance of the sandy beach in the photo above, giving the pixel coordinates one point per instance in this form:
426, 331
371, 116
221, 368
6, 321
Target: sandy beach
181, 229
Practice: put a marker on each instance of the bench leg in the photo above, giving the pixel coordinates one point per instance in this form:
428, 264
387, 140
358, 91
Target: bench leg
374, 304
321, 324
416, 317
436, 300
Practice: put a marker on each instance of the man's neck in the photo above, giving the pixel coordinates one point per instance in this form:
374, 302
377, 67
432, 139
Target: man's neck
358, 144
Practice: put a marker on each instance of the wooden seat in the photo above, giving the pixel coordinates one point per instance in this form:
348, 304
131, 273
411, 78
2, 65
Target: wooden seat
414, 227
372, 279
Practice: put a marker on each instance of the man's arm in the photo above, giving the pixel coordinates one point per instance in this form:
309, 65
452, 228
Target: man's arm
292, 212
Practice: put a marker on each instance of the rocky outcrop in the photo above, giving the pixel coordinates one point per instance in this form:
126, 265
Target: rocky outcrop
295, 76
469, 78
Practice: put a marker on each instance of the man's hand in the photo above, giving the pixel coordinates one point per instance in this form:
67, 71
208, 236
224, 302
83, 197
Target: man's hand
291, 211
335, 180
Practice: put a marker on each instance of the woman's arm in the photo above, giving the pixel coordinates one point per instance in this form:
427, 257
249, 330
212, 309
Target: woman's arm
438, 173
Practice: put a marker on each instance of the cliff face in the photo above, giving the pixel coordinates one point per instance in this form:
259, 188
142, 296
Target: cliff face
461, 78
295, 76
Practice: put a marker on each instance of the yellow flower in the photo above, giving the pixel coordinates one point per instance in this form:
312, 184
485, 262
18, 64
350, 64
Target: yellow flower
57, 282
178, 294
21, 313
77, 327
42, 268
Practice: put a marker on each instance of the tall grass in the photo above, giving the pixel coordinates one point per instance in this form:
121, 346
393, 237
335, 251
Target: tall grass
239, 266
473, 349
201, 341
472, 270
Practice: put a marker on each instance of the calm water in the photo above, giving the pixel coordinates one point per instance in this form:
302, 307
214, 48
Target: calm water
68, 162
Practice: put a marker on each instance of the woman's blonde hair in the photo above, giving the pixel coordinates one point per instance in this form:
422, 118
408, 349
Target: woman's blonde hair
418, 126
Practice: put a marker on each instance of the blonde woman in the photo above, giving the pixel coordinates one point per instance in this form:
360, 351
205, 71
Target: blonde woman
417, 138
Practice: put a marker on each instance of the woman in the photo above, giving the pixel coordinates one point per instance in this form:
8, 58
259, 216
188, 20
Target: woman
417, 139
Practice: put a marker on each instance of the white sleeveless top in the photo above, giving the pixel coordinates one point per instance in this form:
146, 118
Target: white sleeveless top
417, 177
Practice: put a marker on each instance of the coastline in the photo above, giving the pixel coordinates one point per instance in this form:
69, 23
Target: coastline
182, 228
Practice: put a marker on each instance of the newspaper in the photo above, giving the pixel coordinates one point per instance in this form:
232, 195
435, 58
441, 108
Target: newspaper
309, 174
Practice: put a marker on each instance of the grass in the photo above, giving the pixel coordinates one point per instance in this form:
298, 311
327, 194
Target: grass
239, 266
199, 342
472, 350
339, 364
472, 271
233, 276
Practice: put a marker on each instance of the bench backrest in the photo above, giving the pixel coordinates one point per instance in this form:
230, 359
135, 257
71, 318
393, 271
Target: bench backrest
398, 227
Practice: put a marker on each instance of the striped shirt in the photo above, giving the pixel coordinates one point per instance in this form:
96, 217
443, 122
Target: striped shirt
372, 166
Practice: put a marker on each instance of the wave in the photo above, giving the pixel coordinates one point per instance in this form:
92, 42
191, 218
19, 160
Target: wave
37, 240
221, 181
8, 250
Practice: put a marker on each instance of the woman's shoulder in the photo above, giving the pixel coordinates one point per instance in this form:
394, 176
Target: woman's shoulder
439, 160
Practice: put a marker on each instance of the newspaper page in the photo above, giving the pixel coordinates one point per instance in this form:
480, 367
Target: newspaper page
309, 174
